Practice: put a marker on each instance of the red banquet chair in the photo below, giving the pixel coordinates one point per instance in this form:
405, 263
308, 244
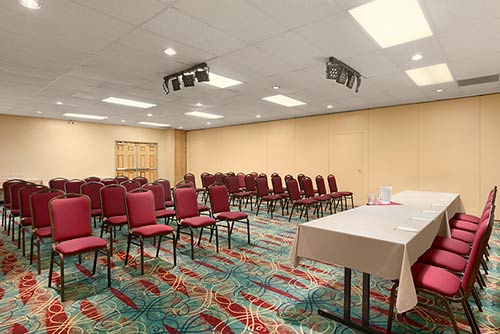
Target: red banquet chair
6, 201
14, 189
160, 211
167, 192
332, 183
40, 219
201, 207
207, 180
278, 188
241, 180
263, 196
189, 177
186, 209
235, 192
140, 205
25, 213
130, 185
219, 202
114, 213
72, 234
141, 179
309, 193
73, 186
92, 190
298, 202
251, 187
58, 183
121, 178
335, 198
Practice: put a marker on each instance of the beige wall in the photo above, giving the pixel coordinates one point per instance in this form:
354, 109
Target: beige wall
45, 148
439, 146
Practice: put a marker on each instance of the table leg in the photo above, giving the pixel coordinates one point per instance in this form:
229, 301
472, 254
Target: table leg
365, 315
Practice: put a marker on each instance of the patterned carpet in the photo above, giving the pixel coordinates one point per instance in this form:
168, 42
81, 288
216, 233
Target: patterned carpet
248, 289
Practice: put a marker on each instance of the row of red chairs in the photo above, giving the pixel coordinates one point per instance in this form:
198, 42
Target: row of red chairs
299, 193
449, 270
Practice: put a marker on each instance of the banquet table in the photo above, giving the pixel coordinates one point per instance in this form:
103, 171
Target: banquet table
381, 240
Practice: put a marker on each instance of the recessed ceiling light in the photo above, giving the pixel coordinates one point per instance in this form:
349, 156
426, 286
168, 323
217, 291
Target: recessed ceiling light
59, 103
124, 121
198, 104
129, 103
162, 125
208, 123
392, 22
329, 106
170, 52
417, 57
439, 90
39, 112
430, 75
203, 114
283, 100
276, 87
85, 116
150, 115
221, 81
258, 116
31, 4
180, 127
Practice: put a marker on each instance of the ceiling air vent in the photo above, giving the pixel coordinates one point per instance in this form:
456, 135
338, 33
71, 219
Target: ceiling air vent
478, 80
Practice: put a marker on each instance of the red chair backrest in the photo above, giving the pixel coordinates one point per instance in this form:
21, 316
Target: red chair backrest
58, 183
189, 177
39, 206
6, 189
320, 183
254, 174
141, 179
130, 185
293, 189
250, 183
288, 177
277, 184
121, 178
92, 179
140, 209
219, 178
232, 184
108, 181
24, 198
186, 205
159, 197
478, 247
308, 187
92, 190
241, 180
70, 217
167, 192
262, 187
332, 183
219, 198
14, 193
208, 180
113, 200
300, 177
73, 186
274, 174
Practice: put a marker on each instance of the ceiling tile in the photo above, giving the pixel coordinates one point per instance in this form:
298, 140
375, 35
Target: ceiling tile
429, 48
372, 64
475, 67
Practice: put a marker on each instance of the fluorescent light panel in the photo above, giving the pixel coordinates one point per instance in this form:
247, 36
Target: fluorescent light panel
392, 22
221, 81
154, 124
284, 100
100, 118
203, 115
129, 103
430, 75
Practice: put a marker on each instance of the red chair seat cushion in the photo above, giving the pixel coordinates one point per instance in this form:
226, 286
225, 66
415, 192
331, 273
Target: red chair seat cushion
201, 221
467, 217
464, 225
305, 201
164, 213
43, 232
322, 198
462, 235
452, 245
443, 259
152, 230
14, 212
169, 204
271, 197
79, 245
345, 193
116, 220
95, 212
335, 195
242, 194
435, 279
26, 221
232, 215
202, 207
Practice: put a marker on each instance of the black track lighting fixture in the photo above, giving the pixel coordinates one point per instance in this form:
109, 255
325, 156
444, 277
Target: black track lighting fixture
342, 73
199, 72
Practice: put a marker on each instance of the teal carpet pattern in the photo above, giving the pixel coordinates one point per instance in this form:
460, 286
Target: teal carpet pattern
247, 289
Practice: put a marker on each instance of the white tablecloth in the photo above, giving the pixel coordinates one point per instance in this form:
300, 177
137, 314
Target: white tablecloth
382, 240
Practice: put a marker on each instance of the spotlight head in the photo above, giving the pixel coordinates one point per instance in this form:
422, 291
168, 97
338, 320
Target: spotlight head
350, 79
188, 79
332, 69
202, 74
176, 84
358, 77
342, 77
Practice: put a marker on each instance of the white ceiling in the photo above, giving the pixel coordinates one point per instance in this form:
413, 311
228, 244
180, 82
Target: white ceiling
82, 51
